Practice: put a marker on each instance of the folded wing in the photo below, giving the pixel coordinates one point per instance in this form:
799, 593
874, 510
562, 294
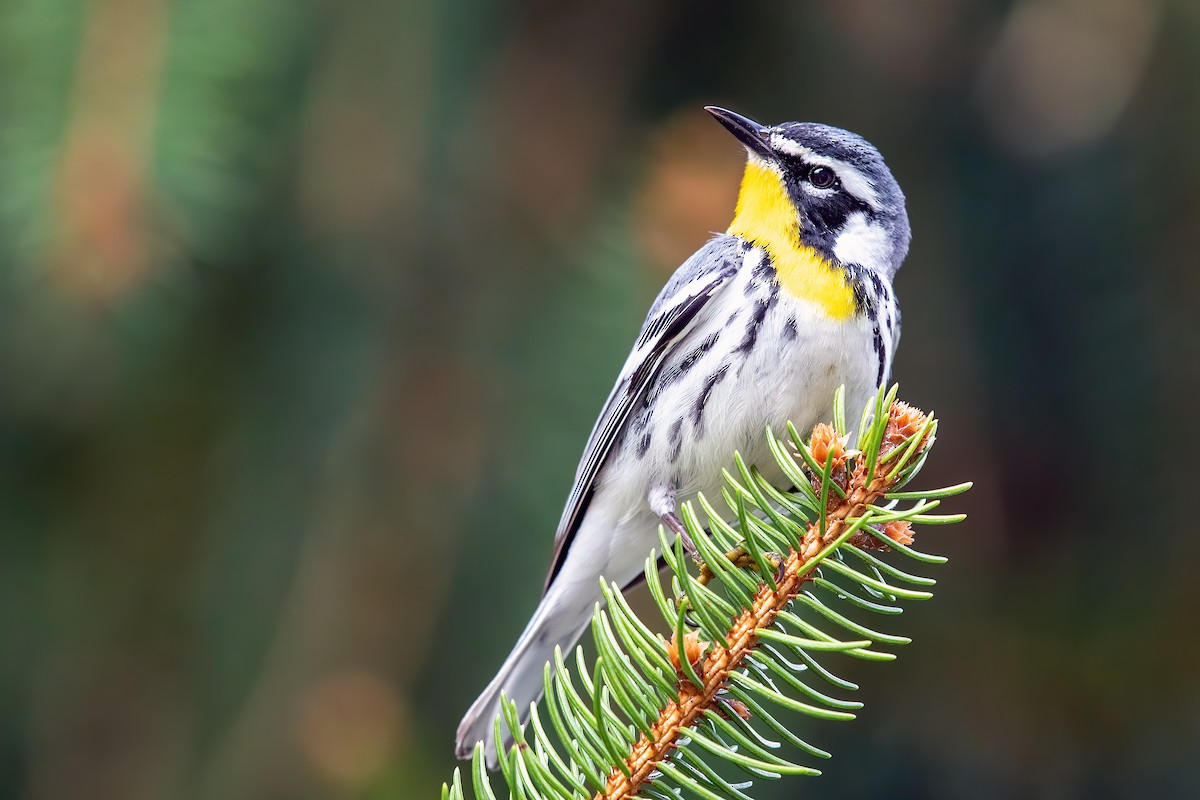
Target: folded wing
671, 317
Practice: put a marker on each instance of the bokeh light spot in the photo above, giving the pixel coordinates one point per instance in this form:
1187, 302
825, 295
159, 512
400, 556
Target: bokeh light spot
350, 725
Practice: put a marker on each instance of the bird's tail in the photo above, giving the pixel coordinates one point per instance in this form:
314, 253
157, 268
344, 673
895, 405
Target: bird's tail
521, 678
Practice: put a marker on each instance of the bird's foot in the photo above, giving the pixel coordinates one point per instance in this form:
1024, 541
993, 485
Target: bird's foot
740, 557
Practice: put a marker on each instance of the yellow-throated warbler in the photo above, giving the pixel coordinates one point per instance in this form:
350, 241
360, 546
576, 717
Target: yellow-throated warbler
760, 326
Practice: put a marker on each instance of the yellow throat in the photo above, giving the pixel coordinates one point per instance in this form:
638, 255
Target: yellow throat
766, 216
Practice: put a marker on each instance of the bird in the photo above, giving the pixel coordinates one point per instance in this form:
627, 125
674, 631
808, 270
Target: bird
759, 327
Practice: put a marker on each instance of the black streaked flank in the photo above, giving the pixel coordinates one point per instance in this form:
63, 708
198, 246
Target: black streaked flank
643, 445
705, 345
685, 364
764, 271
880, 354
880, 294
856, 276
675, 439
862, 301
701, 401
757, 315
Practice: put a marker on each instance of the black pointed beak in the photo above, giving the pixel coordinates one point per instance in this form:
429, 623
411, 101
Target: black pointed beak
754, 136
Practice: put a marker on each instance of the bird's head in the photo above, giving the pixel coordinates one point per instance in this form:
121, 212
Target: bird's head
813, 185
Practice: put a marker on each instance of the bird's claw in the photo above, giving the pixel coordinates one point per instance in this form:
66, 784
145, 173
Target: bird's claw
740, 557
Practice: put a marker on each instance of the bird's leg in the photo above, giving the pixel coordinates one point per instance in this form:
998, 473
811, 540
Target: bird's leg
739, 556
675, 524
662, 501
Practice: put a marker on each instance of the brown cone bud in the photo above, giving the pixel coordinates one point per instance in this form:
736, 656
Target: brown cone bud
693, 648
899, 531
904, 422
826, 443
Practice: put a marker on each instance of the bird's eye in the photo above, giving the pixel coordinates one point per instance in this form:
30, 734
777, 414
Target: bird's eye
822, 177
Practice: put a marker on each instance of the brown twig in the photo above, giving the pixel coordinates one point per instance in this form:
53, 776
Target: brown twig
721, 660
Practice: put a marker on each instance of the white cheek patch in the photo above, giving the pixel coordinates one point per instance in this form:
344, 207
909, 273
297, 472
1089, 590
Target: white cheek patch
863, 242
852, 180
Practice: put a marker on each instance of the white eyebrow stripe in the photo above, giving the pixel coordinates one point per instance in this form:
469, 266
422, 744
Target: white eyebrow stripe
786, 146
854, 181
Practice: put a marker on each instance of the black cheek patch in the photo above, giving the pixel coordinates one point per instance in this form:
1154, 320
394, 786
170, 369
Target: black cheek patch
832, 211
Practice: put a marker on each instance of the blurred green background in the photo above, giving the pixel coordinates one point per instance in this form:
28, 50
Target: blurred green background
306, 310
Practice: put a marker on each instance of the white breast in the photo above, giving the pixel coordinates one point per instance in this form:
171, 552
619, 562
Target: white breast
798, 359
783, 379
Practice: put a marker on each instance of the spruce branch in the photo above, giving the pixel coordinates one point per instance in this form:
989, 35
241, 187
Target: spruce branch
743, 637
656, 717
